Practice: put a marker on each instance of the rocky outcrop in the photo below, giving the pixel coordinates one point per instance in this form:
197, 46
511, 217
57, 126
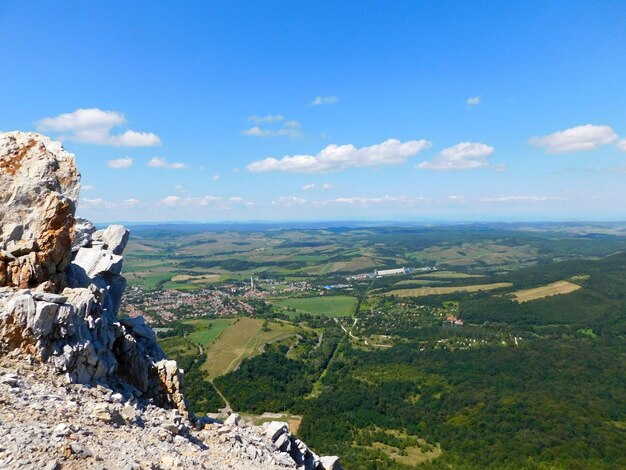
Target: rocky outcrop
292, 448
61, 286
39, 186
61, 283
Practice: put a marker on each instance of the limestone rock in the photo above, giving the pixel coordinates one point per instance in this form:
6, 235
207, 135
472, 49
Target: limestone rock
115, 238
83, 231
234, 420
330, 463
39, 186
60, 292
275, 429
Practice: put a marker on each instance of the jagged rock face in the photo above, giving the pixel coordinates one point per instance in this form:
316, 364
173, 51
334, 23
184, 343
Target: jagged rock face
44, 253
39, 186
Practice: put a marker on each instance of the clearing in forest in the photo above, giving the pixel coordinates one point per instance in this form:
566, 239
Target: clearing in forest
555, 288
244, 338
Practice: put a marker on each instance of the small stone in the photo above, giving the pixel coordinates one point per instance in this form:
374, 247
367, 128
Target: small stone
62, 430
129, 413
171, 427
80, 450
52, 465
234, 420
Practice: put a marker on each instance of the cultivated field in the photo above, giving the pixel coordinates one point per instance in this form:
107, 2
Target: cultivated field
329, 306
422, 291
555, 288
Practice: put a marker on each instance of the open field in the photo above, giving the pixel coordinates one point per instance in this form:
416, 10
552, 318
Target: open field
329, 306
422, 291
420, 282
450, 275
412, 455
555, 288
242, 339
207, 330
415, 450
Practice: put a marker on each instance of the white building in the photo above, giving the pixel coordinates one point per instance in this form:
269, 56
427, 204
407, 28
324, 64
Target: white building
390, 272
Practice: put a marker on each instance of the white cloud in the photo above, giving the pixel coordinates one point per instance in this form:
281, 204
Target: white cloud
370, 201
135, 139
132, 202
574, 139
180, 188
520, 199
97, 203
463, 156
215, 177
267, 119
622, 145
319, 100
288, 129
93, 126
341, 157
312, 186
87, 187
289, 201
473, 101
256, 131
119, 163
158, 162
215, 202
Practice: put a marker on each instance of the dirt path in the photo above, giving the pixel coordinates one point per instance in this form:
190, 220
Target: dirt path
228, 408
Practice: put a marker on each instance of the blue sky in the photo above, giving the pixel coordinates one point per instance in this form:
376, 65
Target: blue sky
295, 110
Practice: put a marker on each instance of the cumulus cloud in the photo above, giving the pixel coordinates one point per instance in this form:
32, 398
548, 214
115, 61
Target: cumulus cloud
287, 129
119, 163
215, 202
93, 126
462, 156
289, 201
622, 145
132, 202
575, 139
215, 177
473, 101
158, 162
87, 187
341, 157
319, 100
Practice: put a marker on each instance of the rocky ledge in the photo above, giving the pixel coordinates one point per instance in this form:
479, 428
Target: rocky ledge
80, 387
